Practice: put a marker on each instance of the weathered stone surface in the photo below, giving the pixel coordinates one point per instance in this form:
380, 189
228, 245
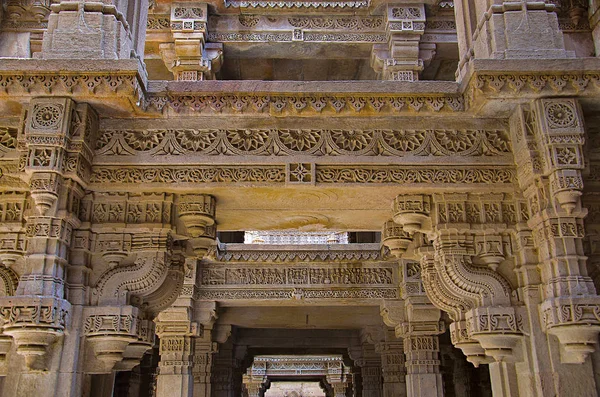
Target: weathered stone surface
460, 137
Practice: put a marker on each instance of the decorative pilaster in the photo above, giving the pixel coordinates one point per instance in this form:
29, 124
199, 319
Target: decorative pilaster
189, 57
369, 361
552, 183
399, 59
177, 335
392, 365
417, 321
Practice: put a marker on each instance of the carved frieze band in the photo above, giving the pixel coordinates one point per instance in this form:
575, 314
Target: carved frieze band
299, 275
243, 255
382, 174
294, 293
57, 83
278, 104
297, 35
297, 282
537, 83
272, 4
314, 142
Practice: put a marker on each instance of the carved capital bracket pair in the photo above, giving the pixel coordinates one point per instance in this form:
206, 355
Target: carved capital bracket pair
189, 56
461, 240
400, 58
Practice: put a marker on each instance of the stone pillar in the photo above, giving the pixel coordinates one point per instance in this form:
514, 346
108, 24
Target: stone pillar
38, 315
177, 335
186, 327
227, 374
549, 137
189, 57
204, 350
419, 330
206, 346
399, 59
392, 365
417, 321
112, 29
423, 376
369, 361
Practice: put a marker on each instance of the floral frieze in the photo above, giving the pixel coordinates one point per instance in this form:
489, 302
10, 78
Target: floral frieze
314, 142
276, 174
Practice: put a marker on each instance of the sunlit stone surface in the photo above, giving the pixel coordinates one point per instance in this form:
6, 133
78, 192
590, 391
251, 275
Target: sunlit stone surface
338, 198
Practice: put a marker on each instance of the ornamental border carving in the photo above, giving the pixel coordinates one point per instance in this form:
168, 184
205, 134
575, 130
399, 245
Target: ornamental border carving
347, 174
343, 275
519, 83
278, 104
296, 294
314, 142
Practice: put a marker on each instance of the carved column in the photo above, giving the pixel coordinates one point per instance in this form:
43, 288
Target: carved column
176, 349
253, 384
369, 361
96, 30
226, 374
204, 350
548, 135
423, 376
392, 365
338, 378
185, 370
417, 321
57, 143
399, 58
189, 57
206, 346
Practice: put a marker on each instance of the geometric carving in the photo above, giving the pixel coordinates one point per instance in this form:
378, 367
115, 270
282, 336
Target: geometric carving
47, 116
560, 115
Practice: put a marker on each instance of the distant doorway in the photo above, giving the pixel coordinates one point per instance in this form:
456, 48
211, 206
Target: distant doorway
295, 389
